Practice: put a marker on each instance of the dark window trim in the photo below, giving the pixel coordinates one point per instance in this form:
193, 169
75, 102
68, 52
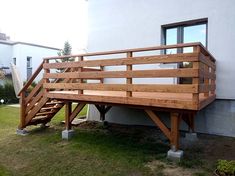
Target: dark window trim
180, 26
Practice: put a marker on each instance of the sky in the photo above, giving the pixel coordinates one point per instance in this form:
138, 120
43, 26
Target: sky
45, 22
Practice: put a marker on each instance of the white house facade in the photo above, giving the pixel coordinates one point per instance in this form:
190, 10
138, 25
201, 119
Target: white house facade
124, 24
26, 56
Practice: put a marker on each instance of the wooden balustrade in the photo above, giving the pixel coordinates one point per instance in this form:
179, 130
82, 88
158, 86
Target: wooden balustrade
202, 73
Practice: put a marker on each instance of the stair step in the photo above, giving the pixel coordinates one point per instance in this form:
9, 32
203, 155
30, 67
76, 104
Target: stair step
54, 102
38, 120
51, 107
44, 113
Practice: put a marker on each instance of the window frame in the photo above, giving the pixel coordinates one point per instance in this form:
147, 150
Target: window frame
180, 30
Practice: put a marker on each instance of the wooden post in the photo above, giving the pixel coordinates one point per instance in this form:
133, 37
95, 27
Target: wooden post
46, 80
129, 80
102, 79
212, 81
206, 80
196, 65
22, 110
175, 123
80, 70
68, 110
103, 110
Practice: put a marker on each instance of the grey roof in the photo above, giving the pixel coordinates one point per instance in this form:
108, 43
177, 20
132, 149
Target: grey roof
9, 42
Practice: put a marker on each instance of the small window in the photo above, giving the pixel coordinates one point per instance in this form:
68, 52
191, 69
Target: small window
14, 61
29, 62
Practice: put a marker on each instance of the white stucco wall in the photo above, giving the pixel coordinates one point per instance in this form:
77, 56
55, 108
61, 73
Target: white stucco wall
122, 24
5, 54
21, 51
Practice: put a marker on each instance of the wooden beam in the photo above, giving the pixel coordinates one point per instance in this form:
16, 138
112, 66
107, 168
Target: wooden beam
159, 123
76, 111
175, 124
68, 110
22, 110
152, 102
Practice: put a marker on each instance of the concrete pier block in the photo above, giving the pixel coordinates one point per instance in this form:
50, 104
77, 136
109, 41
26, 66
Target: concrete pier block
175, 155
67, 134
191, 137
22, 132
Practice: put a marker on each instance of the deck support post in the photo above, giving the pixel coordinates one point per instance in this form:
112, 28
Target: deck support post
174, 153
68, 132
191, 136
103, 110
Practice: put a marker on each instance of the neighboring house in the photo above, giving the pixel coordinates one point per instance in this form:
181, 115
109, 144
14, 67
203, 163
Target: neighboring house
127, 24
26, 56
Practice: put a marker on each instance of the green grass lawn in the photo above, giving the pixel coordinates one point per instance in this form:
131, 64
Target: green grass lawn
92, 151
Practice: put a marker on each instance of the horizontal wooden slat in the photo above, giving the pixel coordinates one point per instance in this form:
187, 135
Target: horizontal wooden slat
125, 87
207, 101
185, 72
207, 75
178, 104
170, 58
206, 88
131, 50
207, 61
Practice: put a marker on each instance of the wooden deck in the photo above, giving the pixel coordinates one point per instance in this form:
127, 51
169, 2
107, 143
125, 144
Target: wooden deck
73, 81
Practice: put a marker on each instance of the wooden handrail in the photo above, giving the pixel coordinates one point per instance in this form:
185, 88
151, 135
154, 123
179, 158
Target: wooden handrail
29, 82
162, 47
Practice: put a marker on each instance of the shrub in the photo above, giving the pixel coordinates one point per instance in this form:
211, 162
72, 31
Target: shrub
7, 92
226, 168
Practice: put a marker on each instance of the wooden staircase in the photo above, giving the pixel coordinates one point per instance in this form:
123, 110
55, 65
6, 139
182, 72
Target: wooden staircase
36, 107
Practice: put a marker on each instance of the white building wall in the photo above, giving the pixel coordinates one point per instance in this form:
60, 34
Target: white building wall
122, 24
21, 51
5, 55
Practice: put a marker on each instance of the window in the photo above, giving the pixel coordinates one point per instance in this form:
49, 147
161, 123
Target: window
14, 61
29, 62
29, 67
185, 32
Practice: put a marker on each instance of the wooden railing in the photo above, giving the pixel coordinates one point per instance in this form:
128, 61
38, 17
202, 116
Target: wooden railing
202, 72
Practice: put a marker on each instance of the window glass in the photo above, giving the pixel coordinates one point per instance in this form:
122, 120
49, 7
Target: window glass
196, 33
29, 62
171, 39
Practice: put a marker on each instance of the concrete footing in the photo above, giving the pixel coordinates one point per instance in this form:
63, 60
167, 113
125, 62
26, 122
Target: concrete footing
22, 132
192, 137
67, 134
175, 155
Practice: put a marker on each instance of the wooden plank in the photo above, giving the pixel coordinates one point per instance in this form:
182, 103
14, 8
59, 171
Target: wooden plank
207, 101
29, 82
185, 72
206, 88
174, 88
34, 101
196, 80
76, 111
159, 123
35, 90
206, 80
169, 58
129, 80
166, 103
206, 60
175, 123
36, 109
162, 47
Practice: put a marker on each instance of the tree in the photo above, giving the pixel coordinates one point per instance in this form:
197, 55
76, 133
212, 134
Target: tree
67, 50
